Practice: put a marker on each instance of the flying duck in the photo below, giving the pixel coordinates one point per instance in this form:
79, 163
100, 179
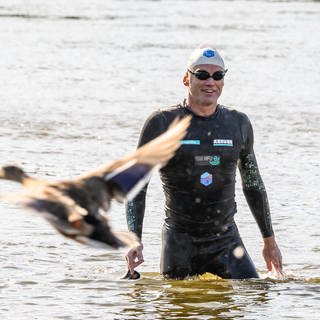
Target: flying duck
76, 208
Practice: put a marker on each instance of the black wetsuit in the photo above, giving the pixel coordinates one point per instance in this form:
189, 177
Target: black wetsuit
199, 233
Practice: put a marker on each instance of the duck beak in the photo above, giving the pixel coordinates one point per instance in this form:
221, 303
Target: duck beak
2, 173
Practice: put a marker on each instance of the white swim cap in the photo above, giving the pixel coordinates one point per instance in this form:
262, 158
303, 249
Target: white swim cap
205, 55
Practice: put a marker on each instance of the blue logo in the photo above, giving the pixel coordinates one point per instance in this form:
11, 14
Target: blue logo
206, 179
190, 141
208, 53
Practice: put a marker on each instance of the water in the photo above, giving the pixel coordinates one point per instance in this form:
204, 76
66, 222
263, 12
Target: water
78, 79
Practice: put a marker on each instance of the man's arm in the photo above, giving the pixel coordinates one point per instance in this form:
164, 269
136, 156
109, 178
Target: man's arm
256, 196
135, 209
255, 193
135, 214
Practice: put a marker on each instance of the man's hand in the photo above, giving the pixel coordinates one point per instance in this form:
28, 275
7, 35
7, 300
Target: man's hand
134, 257
272, 255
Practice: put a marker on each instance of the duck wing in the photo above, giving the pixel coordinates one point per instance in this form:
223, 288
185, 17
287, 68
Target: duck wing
128, 175
53, 205
71, 220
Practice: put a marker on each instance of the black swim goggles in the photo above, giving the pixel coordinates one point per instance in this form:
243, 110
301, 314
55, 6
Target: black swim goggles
204, 75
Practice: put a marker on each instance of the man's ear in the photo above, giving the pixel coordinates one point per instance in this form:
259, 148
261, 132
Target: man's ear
186, 80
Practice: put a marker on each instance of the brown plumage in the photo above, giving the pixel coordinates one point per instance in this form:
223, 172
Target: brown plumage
75, 207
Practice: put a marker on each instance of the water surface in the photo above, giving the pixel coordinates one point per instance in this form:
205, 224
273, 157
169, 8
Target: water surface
78, 79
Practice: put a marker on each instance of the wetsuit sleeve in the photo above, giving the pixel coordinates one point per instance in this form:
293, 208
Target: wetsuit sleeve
252, 184
135, 209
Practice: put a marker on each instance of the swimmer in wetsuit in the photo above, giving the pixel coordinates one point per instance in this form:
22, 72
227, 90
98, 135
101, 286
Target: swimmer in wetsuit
199, 233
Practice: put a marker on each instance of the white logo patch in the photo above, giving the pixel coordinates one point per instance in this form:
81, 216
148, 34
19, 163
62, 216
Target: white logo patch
223, 143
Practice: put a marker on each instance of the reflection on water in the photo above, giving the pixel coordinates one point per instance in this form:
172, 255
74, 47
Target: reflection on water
156, 298
194, 298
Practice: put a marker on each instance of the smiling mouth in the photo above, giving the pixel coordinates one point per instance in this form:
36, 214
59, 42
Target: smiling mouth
208, 91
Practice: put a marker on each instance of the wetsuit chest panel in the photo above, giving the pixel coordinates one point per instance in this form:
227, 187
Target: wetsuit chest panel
199, 181
207, 159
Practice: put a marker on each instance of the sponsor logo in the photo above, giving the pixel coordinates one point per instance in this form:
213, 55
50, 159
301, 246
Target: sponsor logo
208, 53
222, 143
206, 179
190, 141
205, 160
215, 160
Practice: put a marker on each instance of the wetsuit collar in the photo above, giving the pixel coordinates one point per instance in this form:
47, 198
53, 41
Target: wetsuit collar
189, 110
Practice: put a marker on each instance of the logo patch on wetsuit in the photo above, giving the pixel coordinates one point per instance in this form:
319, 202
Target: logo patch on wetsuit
205, 160
215, 160
223, 143
190, 141
206, 179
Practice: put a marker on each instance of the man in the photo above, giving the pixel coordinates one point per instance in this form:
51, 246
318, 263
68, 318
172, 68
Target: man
199, 233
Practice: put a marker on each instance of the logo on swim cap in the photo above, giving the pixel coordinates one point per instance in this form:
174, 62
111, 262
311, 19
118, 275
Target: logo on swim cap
205, 55
208, 53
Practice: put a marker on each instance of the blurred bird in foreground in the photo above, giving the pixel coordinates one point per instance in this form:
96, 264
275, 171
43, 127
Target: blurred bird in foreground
76, 208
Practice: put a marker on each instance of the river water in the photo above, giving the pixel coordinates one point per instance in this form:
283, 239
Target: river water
78, 78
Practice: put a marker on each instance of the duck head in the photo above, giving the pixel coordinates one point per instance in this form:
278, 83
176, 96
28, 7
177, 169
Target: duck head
12, 172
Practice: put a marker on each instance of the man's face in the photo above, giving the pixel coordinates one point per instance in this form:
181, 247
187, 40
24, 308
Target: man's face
203, 92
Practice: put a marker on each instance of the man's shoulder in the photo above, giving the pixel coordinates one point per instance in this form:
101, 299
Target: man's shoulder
168, 113
174, 109
231, 111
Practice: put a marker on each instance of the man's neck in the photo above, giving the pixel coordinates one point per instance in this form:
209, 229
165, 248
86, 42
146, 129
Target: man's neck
201, 110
